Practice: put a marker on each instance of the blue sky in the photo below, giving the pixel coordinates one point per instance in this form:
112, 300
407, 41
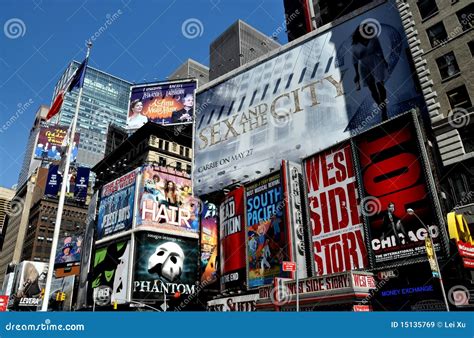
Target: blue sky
143, 40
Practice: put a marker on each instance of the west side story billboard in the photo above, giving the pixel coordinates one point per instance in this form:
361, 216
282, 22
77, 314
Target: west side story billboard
311, 96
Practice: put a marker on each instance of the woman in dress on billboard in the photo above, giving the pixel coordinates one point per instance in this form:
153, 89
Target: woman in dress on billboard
136, 119
370, 65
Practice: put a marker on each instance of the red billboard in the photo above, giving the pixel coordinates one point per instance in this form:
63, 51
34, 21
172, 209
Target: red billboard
232, 239
336, 227
395, 180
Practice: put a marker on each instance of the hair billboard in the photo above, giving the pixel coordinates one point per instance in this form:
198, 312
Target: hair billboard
166, 202
232, 240
163, 103
267, 233
299, 98
394, 180
336, 224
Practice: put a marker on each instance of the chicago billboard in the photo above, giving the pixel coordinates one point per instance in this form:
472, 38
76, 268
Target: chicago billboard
337, 235
209, 243
117, 202
305, 98
163, 103
50, 145
110, 272
267, 233
395, 179
166, 202
164, 265
232, 240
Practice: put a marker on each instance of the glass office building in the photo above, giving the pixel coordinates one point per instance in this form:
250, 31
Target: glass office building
104, 101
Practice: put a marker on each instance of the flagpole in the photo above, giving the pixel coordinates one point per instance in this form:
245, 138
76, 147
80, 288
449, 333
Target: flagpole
62, 197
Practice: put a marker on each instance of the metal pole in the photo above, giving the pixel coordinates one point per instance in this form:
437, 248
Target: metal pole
297, 287
62, 197
436, 261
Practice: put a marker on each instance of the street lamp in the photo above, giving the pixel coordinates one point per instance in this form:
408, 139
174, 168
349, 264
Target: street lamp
412, 212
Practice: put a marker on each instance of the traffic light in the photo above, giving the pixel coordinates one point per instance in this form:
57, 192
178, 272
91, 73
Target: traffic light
61, 296
42, 293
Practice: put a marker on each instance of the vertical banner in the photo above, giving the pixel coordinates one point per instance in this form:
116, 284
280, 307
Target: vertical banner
267, 235
294, 214
82, 182
232, 239
394, 180
110, 272
53, 181
116, 205
209, 243
336, 225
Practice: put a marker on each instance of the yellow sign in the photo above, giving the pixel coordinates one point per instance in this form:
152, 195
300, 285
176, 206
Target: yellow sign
431, 256
458, 228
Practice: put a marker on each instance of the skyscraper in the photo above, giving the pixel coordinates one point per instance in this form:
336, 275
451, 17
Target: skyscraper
104, 101
191, 69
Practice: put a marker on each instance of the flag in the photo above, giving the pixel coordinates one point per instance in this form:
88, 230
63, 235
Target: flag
76, 81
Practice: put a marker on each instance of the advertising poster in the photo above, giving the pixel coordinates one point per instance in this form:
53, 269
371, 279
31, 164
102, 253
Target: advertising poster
81, 183
164, 265
459, 233
51, 144
394, 180
232, 240
110, 272
32, 280
267, 235
53, 183
331, 86
209, 243
337, 234
166, 202
245, 303
163, 103
294, 208
116, 205
64, 285
68, 254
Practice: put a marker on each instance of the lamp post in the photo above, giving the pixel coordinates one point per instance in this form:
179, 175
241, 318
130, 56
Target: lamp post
435, 256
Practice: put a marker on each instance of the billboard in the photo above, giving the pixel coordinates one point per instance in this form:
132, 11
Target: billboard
66, 286
110, 271
53, 182
209, 243
50, 145
394, 179
164, 265
28, 290
459, 232
68, 254
295, 215
163, 103
81, 183
166, 202
232, 240
76, 185
117, 201
337, 235
246, 303
305, 98
267, 234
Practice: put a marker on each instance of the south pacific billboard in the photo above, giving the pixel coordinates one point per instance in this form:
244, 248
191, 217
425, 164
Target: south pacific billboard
50, 145
267, 233
337, 235
395, 179
164, 264
117, 202
162, 103
166, 202
232, 240
306, 97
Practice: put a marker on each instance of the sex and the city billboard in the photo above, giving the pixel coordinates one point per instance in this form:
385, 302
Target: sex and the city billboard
162, 103
304, 98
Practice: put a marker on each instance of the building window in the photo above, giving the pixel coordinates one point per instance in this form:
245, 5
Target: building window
447, 65
459, 98
160, 144
181, 151
427, 8
467, 138
437, 34
186, 152
166, 145
178, 166
466, 17
471, 47
188, 169
174, 146
162, 161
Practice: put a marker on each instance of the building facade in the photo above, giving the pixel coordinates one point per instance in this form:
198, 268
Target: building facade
104, 100
238, 45
6, 210
191, 69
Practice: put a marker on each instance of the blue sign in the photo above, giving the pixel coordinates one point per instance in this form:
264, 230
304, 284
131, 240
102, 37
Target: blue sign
53, 181
82, 182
